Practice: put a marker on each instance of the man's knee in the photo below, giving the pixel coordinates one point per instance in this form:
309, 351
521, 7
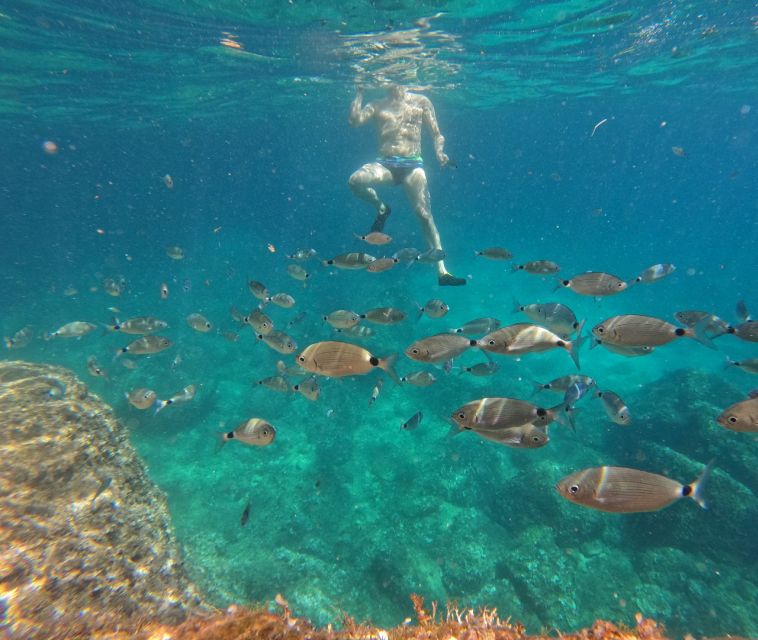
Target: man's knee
356, 181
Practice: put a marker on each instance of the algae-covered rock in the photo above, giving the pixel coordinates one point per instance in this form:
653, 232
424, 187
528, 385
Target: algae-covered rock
86, 542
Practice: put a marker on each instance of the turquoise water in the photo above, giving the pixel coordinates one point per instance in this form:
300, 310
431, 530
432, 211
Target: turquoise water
348, 511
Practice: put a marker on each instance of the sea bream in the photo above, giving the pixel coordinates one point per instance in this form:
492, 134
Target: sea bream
75, 329
520, 338
342, 319
594, 283
642, 331
624, 490
278, 341
439, 348
260, 322
199, 322
335, 359
255, 432
656, 272
140, 325
478, 326
354, 260
741, 416
527, 436
615, 408
141, 398
145, 346
494, 253
494, 414
555, 316
538, 267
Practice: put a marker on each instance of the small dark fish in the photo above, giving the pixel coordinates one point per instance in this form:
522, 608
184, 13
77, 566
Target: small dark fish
245, 514
296, 320
481, 369
376, 391
104, 484
413, 422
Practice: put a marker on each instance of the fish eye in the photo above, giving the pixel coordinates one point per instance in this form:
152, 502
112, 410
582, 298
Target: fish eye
620, 284
732, 419
600, 329
301, 358
491, 343
414, 351
535, 438
573, 489
462, 416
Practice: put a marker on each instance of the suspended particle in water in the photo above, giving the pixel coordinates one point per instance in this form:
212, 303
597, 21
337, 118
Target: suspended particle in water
168, 181
49, 147
745, 109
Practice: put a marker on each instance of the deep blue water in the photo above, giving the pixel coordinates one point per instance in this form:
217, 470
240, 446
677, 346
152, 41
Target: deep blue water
348, 511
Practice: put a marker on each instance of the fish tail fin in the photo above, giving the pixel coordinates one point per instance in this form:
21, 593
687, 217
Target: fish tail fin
695, 489
516, 306
728, 363
387, 365
565, 414
160, 405
698, 333
558, 284
420, 311
537, 387
220, 441
573, 348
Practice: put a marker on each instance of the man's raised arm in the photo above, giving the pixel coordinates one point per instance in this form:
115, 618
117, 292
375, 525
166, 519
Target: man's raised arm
438, 139
358, 113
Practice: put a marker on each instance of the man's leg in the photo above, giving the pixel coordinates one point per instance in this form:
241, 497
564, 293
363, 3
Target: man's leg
360, 184
418, 193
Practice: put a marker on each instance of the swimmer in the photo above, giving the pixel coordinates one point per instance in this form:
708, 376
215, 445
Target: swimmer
399, 118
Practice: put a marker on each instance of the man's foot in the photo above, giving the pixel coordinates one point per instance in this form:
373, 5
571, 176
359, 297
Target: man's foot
381, 218
449, 280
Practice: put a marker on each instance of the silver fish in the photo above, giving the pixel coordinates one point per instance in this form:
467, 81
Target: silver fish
419, 379
741, 416
495, 253
642, 331
413, 422
146, 345
538, 267
594, 283
439, 347
255, 431
624, 490
615, 407
433, 308
75, 329
520, 338
353, 260
656, 272
557, 317
478, 326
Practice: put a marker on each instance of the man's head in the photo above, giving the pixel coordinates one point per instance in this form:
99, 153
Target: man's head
395, 91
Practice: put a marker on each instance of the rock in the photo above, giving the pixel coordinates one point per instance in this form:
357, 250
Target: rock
86, 542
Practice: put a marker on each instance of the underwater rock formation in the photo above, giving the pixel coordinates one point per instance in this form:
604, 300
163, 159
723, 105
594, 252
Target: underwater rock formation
86, 543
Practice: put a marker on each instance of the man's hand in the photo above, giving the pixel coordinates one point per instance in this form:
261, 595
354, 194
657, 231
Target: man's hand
442, 158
